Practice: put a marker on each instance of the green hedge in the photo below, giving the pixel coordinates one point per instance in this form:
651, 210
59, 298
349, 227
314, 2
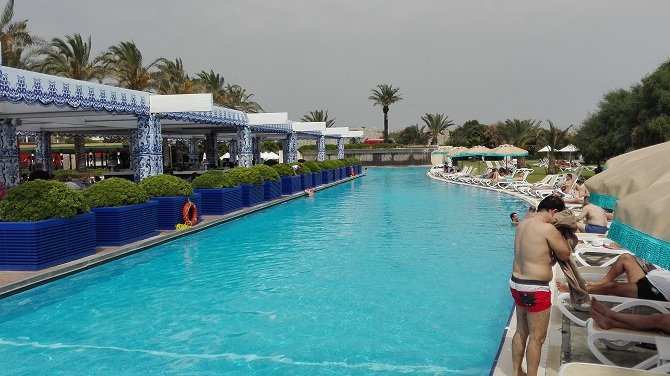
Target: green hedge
214, 179
283, 169
313, 166
267, 172
166, 186
245, 175
113, 192
41, 199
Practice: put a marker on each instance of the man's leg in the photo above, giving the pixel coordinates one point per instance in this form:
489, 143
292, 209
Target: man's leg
519, 340
625, 289
538, 323
624, 264
608, 319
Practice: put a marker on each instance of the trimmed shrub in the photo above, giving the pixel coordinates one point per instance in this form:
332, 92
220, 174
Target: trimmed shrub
214, 179
283, 169
113, 192
166, 186
245, 175
267, 172
313, 166
339, 163
328, 164
41, 199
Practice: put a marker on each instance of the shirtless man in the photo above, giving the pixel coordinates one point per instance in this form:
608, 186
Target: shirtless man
536, 243
596, 219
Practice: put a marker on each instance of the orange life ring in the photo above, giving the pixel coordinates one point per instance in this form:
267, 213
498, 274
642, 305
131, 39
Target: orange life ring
190, 216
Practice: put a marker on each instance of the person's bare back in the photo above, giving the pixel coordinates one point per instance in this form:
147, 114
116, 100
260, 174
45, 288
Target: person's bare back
535, 242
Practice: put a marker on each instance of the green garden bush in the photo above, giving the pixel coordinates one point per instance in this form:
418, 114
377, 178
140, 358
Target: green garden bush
62, 175
283, 169
41, 199
214, 179
267, 172
328, 164
166, 186
245, 175
313, 166
113, 192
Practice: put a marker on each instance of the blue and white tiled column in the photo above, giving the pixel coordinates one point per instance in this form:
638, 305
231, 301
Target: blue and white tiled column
256, 149
232, 149
10, 172
134, 152
210, 149
150, 147
193, 153
43, 150
340, 148
321, 148
291, 148
244, 145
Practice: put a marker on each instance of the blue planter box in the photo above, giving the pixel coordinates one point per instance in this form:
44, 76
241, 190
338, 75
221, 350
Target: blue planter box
271, 190
170, 210
306, 181
316, 179
125, 224
290, 185
359, 169
39, 245
252, 195
337, 174
344, 172
220, 201
326, 176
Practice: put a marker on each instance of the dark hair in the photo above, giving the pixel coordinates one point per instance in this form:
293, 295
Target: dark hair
511, 216
551, 202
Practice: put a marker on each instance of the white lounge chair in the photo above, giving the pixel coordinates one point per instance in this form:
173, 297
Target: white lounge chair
623, 339
572, 313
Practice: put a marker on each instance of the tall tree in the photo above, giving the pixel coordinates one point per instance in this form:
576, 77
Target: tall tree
437, 125
238, 99
470, 134
554, 138
518, 132
71, 58
170, 78
413, 135
385, 95
213, 83
319, 116
125, 64
15, 38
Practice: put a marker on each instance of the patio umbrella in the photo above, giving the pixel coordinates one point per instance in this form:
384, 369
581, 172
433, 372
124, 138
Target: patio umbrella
641, 224
440, 154
477, 151
634, 155
545, 149
227, 155
618, 182
509, 151
456, 152
269, 155
569, 149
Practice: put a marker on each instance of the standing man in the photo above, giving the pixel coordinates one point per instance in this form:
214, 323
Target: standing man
536, 243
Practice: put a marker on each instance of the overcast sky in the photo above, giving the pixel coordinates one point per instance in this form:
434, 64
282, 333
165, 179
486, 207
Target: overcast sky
488, 60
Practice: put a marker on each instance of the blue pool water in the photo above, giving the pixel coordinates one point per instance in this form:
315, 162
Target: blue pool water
389, 274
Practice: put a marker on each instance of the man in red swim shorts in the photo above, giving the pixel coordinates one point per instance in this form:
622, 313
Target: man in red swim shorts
536, 243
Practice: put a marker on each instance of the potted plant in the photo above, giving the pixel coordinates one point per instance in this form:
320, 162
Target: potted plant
340, 169
220, 194
45, 224
271, 185
172, 194
123, 212
251, 182
290, 182
316, 172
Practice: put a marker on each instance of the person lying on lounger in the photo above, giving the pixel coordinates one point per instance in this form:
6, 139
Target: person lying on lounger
609, 319
645, 280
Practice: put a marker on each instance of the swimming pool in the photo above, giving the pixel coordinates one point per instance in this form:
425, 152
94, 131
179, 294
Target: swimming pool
393, 273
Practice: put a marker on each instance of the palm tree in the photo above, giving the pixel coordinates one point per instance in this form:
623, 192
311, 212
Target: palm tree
518, 132
413, 135
552, 137
385, 95
437, 124
319, 116
71, 58
15, 38
171, 78
238, 99
124, 63
213, 83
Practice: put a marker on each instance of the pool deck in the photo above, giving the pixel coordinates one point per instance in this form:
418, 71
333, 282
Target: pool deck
566, 341
12, 282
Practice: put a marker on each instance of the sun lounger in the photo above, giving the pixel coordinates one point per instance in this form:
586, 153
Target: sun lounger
623, 339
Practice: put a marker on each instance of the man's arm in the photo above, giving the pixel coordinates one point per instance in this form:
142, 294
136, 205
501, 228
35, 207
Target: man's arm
558, 244
583, 214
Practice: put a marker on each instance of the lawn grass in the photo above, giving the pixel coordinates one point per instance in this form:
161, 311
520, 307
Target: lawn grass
538, 172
